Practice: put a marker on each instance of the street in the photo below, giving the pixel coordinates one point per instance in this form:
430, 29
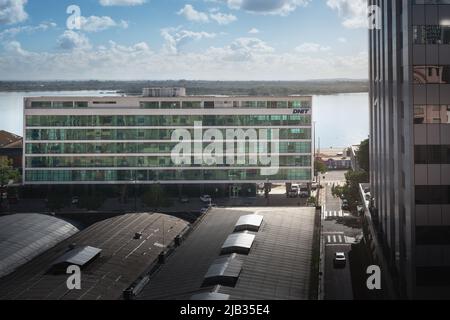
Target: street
339, 231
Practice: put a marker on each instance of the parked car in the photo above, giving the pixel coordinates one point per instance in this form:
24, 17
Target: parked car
293, 192
304, 192
339, 260
206, 199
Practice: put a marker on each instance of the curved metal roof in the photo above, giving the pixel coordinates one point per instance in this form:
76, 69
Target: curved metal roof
25, 236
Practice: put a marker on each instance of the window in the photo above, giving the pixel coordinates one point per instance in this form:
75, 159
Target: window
150, 105
41, 104
170, 105
431, 35
192, 105
209, 104
81, 104
431, 114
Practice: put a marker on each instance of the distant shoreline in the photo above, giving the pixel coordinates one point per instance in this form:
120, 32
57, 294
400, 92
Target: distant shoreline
252, 88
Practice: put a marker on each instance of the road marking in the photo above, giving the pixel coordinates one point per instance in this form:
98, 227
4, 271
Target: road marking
336, 238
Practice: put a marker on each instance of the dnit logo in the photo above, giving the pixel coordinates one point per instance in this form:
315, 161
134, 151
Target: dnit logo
374, 17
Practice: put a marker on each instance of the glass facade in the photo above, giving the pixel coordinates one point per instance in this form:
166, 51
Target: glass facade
141, 147
167, 120
410, 137
88, 141
187, 176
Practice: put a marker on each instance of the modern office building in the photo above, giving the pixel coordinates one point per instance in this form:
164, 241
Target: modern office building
410, 142
135, 139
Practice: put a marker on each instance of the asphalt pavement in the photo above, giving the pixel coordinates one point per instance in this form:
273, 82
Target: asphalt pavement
338, 235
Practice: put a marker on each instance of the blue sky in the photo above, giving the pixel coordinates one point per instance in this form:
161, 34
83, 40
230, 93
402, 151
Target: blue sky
177, 39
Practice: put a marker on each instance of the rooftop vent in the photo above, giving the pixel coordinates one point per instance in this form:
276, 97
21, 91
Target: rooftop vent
238, 243
250, 223
164, 92
224, 271
81, 257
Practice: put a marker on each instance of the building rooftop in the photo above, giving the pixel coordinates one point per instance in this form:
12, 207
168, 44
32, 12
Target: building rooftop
8, 138
277, 265
106, 274
186, 97
25, 236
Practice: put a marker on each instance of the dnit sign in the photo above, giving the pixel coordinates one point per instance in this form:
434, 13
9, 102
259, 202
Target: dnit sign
301, 111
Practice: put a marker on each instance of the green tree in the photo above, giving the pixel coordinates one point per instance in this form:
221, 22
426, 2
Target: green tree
7, 172
350, 191
363, 155
320, 167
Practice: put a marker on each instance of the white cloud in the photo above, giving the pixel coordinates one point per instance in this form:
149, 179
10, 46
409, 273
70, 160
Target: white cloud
309, 47
253, 31
176, 38
14, 47
71, 40
241, 50
278, 7
191, 14
342, 40
12, 32
223, 18
352, 12
96, 24
243, 59
12, 11
109, 3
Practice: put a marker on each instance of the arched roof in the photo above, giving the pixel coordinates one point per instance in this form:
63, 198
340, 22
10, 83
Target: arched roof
25, 236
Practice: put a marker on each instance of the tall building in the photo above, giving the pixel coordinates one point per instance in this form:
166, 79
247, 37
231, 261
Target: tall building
132, 139
410, 142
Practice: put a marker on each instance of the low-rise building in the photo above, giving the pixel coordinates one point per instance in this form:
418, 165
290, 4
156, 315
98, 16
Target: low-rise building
11, 148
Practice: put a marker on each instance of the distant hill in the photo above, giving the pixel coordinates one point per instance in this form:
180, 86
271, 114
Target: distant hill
264, 88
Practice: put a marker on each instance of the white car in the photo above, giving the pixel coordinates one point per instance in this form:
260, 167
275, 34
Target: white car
339, 259
304, 192
205, 199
